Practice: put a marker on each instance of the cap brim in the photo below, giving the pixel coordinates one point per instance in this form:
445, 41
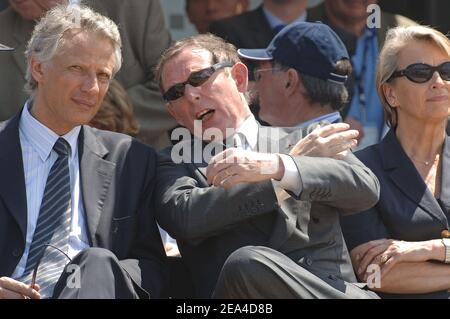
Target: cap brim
5, 48
254, 54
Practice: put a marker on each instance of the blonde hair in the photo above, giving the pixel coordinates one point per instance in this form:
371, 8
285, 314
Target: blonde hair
396, 40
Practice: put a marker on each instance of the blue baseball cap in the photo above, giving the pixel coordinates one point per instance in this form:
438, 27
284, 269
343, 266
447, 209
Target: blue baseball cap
5, 48
311, 48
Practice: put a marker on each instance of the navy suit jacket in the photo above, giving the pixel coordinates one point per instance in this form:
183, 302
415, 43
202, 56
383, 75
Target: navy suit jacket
407, 210
117, 181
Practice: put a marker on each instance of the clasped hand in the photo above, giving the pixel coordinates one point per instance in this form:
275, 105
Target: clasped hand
386, 253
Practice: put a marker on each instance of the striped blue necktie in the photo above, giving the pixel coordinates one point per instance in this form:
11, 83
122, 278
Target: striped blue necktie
53, 225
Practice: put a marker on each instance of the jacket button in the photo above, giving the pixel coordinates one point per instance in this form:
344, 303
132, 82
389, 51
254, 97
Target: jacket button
332, 277
308, 261
276, 206
16, 253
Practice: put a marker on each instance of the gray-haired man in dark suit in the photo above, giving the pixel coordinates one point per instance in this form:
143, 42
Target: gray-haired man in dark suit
76, 217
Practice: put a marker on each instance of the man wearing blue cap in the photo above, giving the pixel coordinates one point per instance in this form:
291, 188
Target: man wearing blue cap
300, 76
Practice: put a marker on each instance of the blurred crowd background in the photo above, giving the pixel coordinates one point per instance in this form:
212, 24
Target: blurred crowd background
429, 12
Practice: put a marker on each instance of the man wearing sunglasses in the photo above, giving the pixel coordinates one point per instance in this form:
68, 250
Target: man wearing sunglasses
252, 197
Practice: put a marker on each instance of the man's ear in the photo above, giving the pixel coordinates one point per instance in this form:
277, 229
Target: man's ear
292, 81
36, 68
239, 72
389, 94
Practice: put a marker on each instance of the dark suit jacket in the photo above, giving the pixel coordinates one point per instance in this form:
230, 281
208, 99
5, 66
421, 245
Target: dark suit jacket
144, 38
252, 30
247, 30
210, 223
117, 181
407, 210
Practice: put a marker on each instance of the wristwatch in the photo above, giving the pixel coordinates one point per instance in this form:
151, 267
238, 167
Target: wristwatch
446, 242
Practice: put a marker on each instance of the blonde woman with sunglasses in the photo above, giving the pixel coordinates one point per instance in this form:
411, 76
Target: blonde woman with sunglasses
403, 241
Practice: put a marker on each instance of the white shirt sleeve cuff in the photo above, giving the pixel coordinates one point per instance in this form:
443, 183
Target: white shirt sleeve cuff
291, 180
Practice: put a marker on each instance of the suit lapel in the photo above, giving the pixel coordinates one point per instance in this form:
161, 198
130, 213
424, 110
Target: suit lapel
199, 171
278, 140
12, 189
406, 177
195, 160
96, 177
445, 185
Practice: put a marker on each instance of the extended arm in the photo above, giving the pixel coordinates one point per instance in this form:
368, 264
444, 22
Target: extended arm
190, 212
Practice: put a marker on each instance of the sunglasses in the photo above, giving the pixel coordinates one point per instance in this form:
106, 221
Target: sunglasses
36, 267
196, 78
421, 73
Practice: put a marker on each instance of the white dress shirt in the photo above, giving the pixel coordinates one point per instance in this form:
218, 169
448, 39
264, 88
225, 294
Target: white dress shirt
37, 141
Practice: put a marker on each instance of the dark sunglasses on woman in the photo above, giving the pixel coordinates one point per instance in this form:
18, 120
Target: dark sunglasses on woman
196, 78
421, 72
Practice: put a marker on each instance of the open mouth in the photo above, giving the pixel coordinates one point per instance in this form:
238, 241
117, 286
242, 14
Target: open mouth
205, 114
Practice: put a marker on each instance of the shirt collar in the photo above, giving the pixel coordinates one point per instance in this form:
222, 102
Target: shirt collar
330, 117
274, 21
249, 128
41, 138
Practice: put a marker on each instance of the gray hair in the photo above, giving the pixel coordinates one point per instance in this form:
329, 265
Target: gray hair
48, 35
322, 92
396, 40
